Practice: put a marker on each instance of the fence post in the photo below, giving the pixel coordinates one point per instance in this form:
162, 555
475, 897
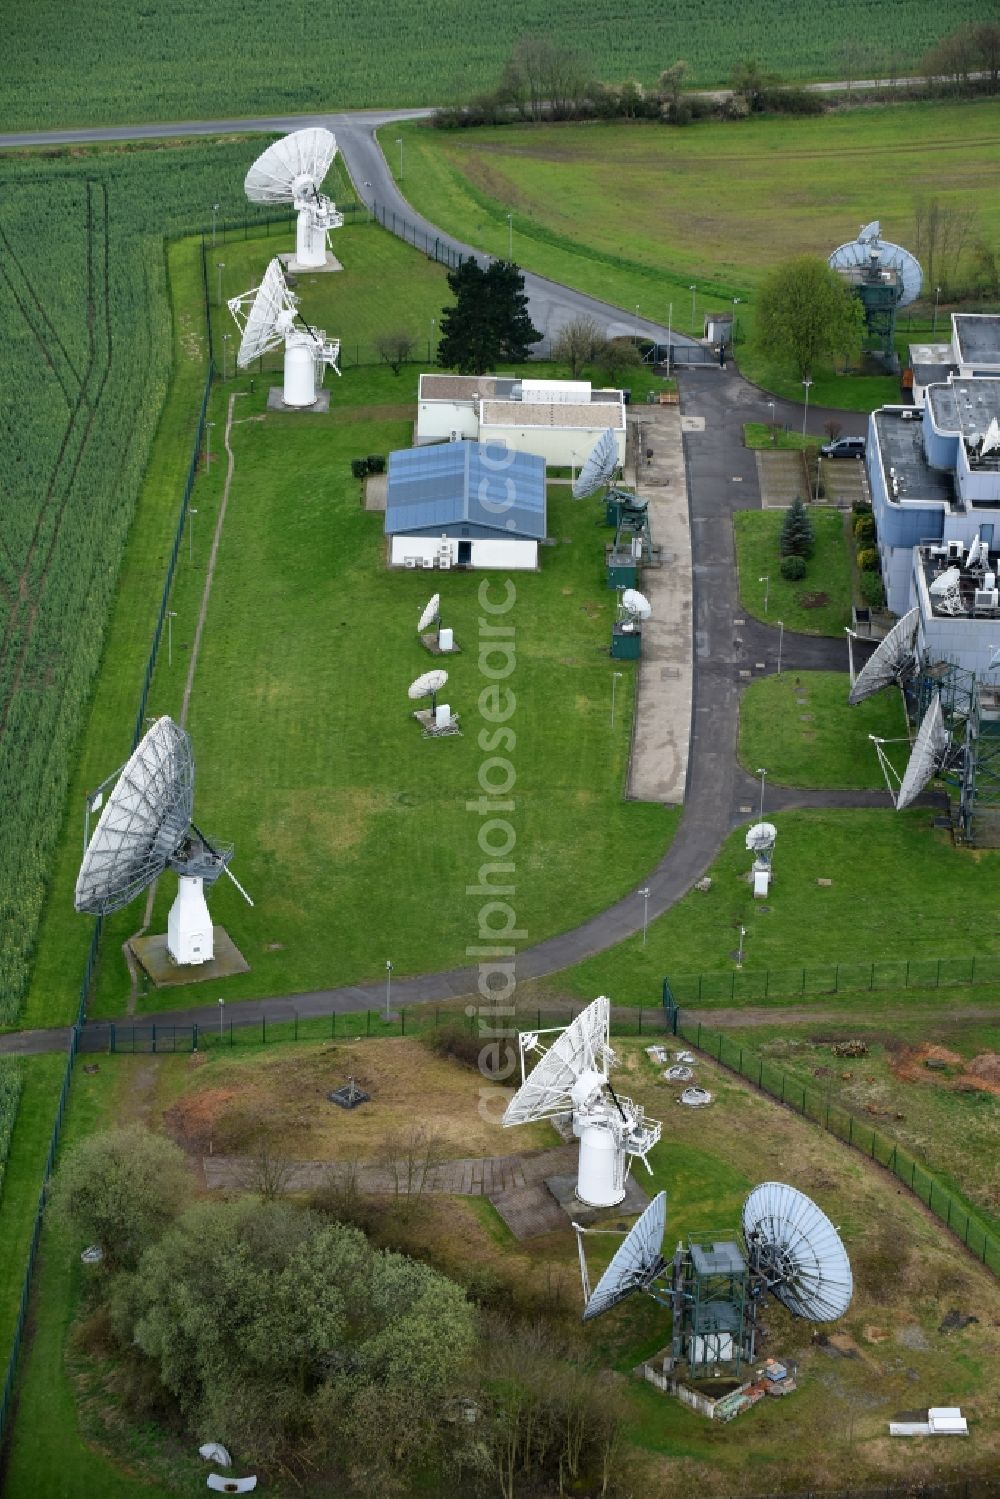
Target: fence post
402, 1021
194, 1037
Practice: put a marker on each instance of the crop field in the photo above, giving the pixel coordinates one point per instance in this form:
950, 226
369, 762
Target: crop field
86, 68
86, 348
889, 1352
637, 213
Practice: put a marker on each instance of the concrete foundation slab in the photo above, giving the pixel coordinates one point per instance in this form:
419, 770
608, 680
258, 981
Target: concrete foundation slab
529, 1211
563, 1190
291, 264
781, 476
276, 402
154, 960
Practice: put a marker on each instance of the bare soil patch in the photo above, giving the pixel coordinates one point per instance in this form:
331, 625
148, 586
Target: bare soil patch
981, 1074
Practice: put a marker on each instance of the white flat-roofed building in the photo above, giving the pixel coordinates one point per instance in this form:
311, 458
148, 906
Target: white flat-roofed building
559, 420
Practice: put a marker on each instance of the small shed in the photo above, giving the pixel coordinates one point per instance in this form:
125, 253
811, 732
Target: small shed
465, 504
719, 327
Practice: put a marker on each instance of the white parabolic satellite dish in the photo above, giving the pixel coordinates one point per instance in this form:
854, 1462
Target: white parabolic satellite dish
146, 827
794, 1247
430, 614
761, 837
636, 1263
636, 604
427, 685
291, 171
268, 317
869, 248
599, 466
927, 756
893, 660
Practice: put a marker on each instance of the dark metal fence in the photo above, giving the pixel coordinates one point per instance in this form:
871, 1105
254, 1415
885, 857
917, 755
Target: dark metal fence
816, 1105
743, 984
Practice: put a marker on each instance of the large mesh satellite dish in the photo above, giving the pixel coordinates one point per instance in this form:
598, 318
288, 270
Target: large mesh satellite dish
892, 661
430, 614
271, 315
582, 1048
793, 1246
928, 756
637, 1262
285, 168
635, 604
870, 249
291, 171
599, 467
427, 685
144, 821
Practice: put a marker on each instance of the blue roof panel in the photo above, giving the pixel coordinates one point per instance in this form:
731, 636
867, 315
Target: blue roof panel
480, 483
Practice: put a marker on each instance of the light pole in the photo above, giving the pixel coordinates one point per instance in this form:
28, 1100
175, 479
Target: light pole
171, 616
937, 300
766, 580
739, 955
399, 143
225, 355
433, 326
215, 210
614, 683
670, 320
510, 237
763, 774
368, 204
220, 266
222, 1011
774, 435
781, 637
637, 325
388, 986
736, 303
693, 289
192, 512
850, 652
805, 413
644, 892
208, 445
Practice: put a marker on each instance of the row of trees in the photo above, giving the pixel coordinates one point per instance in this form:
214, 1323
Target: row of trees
963, 57
282, 1331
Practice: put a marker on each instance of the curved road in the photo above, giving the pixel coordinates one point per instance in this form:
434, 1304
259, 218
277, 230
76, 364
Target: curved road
721, 479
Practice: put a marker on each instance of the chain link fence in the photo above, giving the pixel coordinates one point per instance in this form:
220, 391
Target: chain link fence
743, 985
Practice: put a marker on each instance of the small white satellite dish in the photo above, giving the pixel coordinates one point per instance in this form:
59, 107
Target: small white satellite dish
972, 556
991, 438
599, 467
795, 1249
761, 837
427, 684
291, 171
268, 317
869, 246
430, 614
636, 1263
893, 660
946, 582
573, 1076
146, 826
635, 605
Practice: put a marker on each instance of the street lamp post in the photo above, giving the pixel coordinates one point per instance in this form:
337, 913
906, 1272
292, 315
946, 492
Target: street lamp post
368, 204
637, 325
766, 580
215, 210
774, 435
781, 638
736, 303
222, 1011
614, 683
208, 445
805, 413
763, 775
693, 289
937, 300
510, 237
399, 143
171, 616
219, 268
388, 985
670, 321
225, 355
192, 512
644, 892
739, 955
433, 326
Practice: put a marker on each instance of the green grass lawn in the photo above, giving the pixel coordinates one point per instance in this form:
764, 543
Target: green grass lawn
900, 889
819, 603
634, 213
349, 828
22, 1180
760, 435
800, 726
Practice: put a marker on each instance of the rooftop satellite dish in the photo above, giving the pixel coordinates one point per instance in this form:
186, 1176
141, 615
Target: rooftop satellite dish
858, 254
430, 614
573, 1076
991, 438
945, 583
892, 661
599, 467
146, 827
928, 756
636, 1264
635, 605
268, 317
972, 556
795, 1249
291, 171
761, 838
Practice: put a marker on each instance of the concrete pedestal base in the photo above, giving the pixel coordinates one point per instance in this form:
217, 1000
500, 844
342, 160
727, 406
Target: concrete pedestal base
291, 264
276, 402
563, 1189
154, 960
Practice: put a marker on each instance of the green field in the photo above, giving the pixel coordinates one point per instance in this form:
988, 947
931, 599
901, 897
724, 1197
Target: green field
349, 828
634, 213
800, 726
158, 64
819, 603
900, 889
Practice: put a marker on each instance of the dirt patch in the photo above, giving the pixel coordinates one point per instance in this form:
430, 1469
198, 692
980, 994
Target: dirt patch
926, 1063
812, 600
909, 1063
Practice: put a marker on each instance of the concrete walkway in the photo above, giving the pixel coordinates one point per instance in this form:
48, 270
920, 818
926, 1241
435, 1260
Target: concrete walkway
659, 761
